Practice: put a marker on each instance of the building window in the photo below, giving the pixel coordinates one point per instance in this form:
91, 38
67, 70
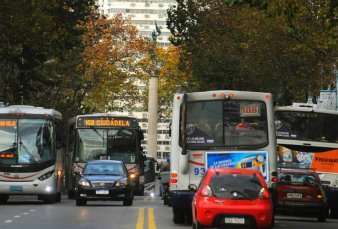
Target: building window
166, 155
158, 155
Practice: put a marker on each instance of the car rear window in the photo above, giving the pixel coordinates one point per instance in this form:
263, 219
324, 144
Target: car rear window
297, 179
235, 186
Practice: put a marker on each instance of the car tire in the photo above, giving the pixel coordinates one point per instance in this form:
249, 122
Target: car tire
80, 202
322, 215
128, 201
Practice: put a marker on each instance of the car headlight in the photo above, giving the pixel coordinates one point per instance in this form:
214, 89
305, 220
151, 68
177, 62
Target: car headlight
46, 176
120, 183
83, 182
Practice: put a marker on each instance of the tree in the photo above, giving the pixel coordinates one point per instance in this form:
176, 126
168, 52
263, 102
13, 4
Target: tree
39, 48
250, 45
112, 52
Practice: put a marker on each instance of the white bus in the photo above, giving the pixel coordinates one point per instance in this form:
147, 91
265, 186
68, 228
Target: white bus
104, 136
302, 131
219, 129
31, 153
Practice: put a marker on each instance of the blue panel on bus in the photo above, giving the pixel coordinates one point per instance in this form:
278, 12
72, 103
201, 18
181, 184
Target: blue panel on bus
16, 188
239, 159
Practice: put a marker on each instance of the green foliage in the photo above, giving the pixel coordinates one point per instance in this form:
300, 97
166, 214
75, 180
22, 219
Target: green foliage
283, 47
39, 51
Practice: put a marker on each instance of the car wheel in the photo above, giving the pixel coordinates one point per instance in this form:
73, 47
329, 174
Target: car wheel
128, 201
80, 202
322, 216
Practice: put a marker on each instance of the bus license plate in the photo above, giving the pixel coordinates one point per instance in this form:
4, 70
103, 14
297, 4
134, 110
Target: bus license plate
16, 188
294, 195
102, 192
233, 220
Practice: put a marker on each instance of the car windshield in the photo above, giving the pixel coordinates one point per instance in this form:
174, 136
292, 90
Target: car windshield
235, 186
297, 179
114, 169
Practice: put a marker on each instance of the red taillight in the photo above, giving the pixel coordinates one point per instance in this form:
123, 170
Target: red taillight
173, 181
319, 196
274, 179
264, 194
206, 191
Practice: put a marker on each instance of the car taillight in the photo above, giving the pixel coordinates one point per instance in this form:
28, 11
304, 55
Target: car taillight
319, 196
274, 179
264, 194
206, 191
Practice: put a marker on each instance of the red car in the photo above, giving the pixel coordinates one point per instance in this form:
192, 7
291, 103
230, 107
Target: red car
301, 190
232, 197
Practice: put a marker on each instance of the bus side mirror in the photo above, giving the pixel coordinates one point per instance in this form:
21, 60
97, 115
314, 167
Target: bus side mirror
192, 187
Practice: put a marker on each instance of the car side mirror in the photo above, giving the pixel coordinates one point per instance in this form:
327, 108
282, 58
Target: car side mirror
192, 187
77, 173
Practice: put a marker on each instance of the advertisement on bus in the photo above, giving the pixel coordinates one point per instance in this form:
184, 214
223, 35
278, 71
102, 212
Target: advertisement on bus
250, 160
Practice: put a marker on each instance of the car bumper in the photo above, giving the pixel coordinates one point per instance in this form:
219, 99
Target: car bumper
304, 206
116, 193
215, 215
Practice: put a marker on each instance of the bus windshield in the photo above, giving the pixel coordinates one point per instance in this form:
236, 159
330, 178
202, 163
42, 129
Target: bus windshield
26, 141
234, 123
117, 144
296, 125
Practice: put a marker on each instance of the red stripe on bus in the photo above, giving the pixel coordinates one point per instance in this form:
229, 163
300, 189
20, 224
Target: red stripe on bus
196, 163
133, 167
18, 178
79, 166
197, 155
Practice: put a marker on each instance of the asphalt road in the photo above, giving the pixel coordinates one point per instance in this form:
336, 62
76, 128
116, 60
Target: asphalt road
146, 213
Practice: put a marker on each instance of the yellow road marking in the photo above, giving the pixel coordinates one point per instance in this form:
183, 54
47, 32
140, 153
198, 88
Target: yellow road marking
140, 219
151, 219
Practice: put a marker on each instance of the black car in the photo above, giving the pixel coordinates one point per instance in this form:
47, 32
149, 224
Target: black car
105, 180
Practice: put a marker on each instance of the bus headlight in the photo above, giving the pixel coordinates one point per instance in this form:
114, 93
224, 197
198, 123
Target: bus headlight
46, 176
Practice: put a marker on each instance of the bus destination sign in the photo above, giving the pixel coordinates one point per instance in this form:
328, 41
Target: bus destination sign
105, 122
4, 123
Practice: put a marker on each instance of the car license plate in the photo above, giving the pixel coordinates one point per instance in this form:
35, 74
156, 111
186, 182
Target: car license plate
294, 195
234, 220
102, 192
16, 188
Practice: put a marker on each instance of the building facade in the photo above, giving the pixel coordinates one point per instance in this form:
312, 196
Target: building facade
143, 14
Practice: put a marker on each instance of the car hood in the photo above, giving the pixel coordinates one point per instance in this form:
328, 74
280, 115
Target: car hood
103, 178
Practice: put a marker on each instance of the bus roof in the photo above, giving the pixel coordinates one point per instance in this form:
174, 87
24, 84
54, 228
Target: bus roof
29, 110
222, 94
305, 109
